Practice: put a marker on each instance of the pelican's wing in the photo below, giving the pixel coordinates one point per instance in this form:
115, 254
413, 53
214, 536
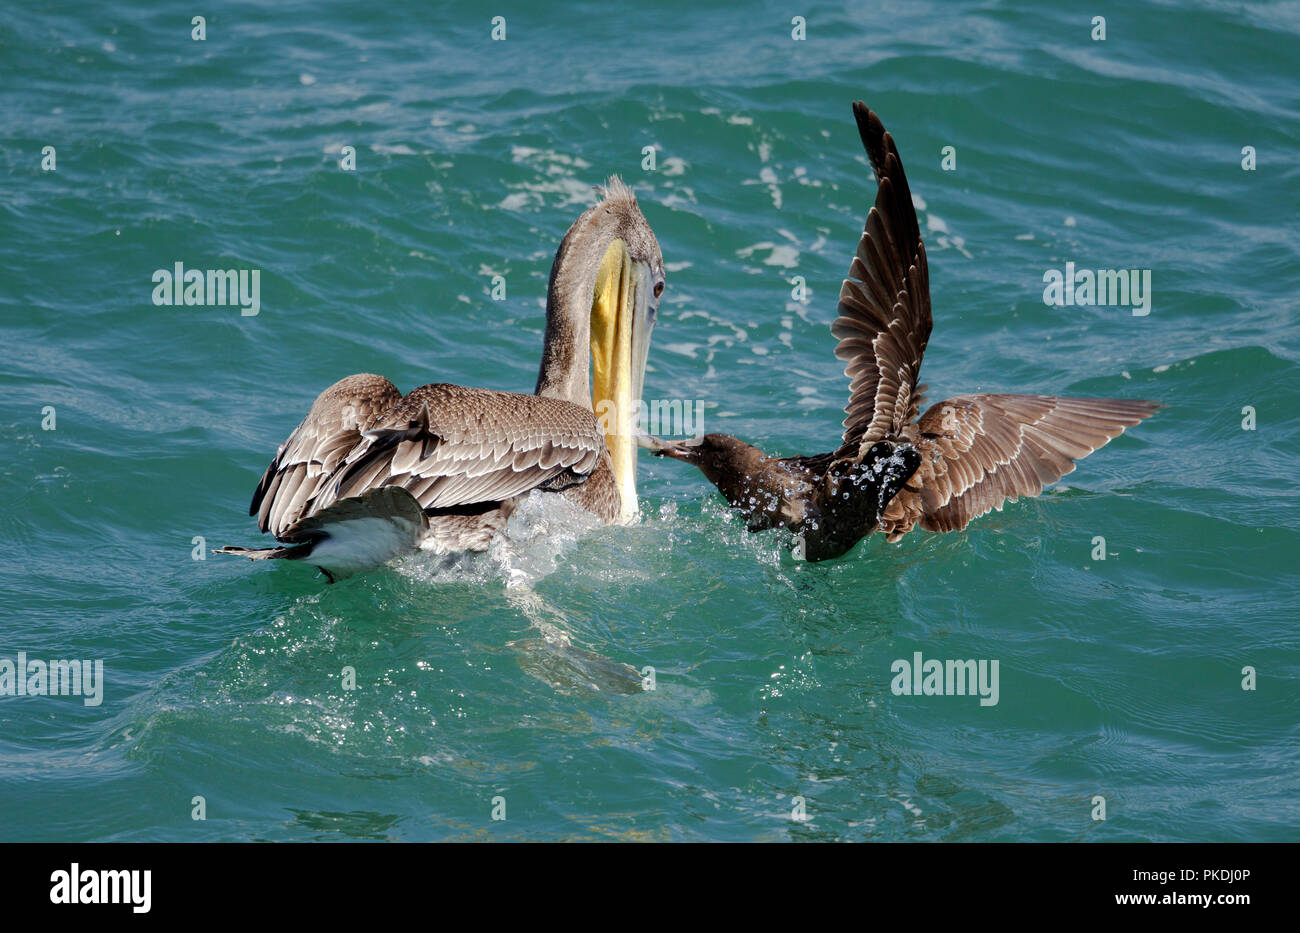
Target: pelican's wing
331, 431
884, 311
979, 451
451, 447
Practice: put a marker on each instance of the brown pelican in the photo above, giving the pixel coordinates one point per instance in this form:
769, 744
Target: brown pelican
895, 470
370, 473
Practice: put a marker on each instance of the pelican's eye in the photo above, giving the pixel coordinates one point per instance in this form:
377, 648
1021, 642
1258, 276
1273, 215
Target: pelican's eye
659, 289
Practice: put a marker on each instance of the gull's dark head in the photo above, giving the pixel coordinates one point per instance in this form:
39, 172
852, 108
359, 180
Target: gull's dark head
719, 456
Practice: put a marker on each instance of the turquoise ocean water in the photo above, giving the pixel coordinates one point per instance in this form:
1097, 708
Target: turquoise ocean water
224, 680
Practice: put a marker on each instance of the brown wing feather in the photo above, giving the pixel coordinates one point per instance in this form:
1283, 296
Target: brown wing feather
979, 451
454, 446
317, 446
884, 317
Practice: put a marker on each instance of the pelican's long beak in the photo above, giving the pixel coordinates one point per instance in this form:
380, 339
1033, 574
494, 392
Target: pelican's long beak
623, 311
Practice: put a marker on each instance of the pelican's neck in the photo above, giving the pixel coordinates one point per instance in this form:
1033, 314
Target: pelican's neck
566, 352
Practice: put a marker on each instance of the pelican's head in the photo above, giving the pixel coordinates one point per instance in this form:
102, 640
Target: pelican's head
624, 306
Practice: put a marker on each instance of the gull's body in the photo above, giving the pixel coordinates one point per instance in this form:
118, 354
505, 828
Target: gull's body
896, 468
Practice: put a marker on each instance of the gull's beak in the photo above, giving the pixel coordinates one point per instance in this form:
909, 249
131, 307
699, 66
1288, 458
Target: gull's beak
677, 450
623, 312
